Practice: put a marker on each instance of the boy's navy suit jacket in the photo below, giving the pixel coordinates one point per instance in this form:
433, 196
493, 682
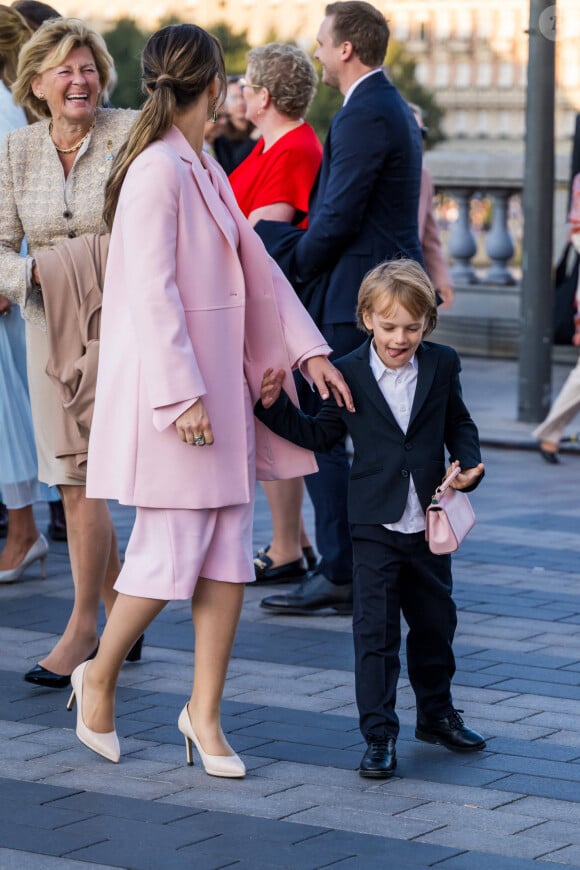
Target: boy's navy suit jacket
384, 455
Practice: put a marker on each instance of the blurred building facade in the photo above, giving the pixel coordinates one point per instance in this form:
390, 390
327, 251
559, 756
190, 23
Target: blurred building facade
472, 53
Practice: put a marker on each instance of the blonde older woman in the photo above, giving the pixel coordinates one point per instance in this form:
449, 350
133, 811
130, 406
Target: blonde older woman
52, 181
274, 183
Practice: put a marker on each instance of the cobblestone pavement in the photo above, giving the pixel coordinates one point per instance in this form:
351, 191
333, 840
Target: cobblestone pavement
289, 710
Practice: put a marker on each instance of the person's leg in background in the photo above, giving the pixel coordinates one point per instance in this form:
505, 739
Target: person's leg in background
18, 464
565, 407
330, 584
282, 561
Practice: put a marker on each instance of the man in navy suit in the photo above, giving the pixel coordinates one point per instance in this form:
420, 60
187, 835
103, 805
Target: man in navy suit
363, 210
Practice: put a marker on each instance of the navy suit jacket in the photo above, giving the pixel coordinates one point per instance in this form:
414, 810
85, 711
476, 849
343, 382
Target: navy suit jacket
364, 205
384, 455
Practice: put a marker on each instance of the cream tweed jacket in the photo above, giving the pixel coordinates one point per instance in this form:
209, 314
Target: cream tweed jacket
37, 201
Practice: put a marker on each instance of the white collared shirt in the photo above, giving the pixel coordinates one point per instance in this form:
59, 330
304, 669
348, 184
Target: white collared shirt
355, 85
398, 388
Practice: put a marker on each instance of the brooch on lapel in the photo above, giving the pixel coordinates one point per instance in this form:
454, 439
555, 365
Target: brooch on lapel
109, 156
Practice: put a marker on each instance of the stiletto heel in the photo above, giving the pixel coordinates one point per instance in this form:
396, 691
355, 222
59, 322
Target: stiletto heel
38, 550
214, 765
105, 744
188, 750
134, 654
71, 701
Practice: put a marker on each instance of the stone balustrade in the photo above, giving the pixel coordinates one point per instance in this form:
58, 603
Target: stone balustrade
485, 318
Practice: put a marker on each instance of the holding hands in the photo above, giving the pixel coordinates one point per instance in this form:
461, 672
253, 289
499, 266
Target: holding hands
324, 375
271, 387
465, 478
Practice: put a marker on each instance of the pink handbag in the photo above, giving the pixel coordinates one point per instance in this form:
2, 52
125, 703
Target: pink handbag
449, 517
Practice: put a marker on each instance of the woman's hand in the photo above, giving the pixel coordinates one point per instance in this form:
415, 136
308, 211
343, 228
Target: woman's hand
193, 425
5, 306
271, 387
447, 296
465, 478
326, 377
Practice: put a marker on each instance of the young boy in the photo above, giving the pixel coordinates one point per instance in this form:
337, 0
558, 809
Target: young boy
408, 403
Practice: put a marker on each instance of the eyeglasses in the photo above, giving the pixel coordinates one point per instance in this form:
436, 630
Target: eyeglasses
244, 83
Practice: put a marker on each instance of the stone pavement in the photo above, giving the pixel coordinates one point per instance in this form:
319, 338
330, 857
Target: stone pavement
289, 710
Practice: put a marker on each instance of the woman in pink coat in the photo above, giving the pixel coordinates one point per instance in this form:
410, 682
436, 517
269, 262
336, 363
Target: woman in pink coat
193, 311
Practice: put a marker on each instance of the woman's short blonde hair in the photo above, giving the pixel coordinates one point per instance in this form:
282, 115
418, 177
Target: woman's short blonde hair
397, 282
288, 74
50, 46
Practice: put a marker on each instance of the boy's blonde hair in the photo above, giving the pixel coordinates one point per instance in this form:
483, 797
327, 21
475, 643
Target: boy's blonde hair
397, 282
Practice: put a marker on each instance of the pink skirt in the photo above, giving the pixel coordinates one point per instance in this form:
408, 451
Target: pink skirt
169, 549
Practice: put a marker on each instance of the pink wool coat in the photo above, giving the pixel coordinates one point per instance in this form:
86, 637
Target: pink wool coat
185, 315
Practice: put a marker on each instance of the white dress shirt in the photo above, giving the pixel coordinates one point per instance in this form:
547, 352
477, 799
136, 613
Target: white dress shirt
398, 388
355, 85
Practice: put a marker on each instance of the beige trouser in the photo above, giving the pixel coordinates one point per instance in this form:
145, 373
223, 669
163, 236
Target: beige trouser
564, 409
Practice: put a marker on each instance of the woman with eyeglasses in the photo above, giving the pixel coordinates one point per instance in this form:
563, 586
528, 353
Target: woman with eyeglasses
274, 183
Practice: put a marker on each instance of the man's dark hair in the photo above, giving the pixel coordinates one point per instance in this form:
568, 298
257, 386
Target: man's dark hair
35, 12
362, 25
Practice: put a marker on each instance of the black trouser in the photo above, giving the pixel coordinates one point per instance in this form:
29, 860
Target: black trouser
396, 573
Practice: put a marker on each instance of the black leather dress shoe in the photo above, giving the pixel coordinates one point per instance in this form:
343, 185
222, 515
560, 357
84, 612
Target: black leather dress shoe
267, 572
315, 594
39, 676
380, 758
451, 732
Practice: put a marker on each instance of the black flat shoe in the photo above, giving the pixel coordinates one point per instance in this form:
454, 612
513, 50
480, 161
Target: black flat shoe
380, 758
550, 456
134, 654
451, 732
266, 572
39, 676
308, 553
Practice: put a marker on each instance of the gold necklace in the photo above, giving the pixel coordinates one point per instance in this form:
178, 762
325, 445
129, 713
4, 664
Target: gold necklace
74, 147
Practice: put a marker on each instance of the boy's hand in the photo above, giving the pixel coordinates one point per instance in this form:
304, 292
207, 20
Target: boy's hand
465, 478
271, 387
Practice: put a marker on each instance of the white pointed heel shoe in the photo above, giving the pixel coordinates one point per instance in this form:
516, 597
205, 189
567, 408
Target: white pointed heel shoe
39, 551
106, 744
215, 765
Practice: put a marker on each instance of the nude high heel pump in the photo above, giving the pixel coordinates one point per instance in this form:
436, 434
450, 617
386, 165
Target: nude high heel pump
215, 765
38, 551
106, 744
